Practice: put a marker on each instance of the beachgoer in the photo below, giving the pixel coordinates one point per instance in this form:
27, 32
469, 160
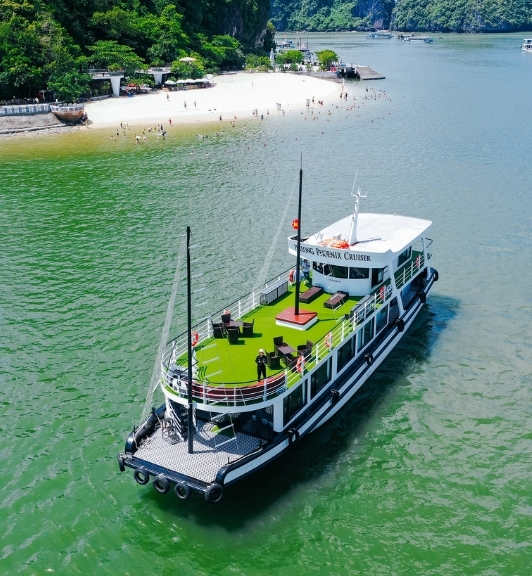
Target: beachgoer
261, 364
170, 120
168, 96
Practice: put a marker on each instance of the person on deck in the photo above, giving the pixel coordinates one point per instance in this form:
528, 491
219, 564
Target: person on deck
305, 268
261, 365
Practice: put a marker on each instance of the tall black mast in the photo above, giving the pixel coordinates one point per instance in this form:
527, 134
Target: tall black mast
298, 266
189, 342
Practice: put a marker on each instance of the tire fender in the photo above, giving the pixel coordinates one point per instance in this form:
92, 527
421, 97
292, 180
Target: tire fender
400, 323
214, 493
422, 297
293, 436
141, 476
161, 484
120, 458
369, 359
182, 490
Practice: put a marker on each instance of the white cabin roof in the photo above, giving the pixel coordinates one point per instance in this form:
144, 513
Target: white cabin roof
377, 234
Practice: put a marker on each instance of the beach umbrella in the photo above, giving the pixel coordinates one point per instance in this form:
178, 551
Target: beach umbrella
170, 83
187, 59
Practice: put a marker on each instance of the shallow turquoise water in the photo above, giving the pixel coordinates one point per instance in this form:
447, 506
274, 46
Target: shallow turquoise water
428, 471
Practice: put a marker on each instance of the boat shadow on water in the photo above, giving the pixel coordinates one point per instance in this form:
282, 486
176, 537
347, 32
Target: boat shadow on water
317, 453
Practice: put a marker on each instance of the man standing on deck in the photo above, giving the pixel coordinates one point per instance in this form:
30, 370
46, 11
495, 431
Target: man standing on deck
261, 365
305, 268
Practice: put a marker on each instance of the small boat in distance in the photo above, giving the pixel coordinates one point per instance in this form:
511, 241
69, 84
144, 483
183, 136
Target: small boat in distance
381, 34
243, 385
415, 39
527, 45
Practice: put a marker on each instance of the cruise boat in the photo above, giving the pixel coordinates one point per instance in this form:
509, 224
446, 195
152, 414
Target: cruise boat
417, 39
381, 34
527, 45
323, 334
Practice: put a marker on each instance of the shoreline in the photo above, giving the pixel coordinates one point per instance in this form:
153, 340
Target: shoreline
233, 96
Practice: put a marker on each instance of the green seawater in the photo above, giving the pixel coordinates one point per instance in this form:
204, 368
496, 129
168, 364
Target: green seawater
427, 471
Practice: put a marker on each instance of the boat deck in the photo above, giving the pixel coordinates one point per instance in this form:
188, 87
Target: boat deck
222, 362
212, 450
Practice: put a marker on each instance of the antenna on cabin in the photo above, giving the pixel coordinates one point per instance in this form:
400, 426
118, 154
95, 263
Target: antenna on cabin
354, 218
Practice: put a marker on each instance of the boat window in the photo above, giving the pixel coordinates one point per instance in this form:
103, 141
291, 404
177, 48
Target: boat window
404, 256
358, 273
377, 276
339, 271
382, 316
365, 335
318, 266
293, 403
320, 377
345, 353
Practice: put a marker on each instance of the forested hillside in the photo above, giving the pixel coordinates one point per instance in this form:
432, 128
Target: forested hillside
50, 42
405, 15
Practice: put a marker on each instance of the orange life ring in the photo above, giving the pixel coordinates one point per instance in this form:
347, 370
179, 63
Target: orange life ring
291, 276
194, 338
328, 340
299, 364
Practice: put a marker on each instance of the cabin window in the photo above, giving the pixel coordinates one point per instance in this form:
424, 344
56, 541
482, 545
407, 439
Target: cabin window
404, 256
293, 403
341, 272
345, 353
377, 276
320, 377
358, 273
382, 317
365, 335
321, 268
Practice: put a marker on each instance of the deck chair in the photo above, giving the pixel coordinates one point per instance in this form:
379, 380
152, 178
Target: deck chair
273, 361
218, 330
233, 334
247, 328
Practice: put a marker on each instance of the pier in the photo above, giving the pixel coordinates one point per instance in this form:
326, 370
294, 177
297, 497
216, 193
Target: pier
358, 71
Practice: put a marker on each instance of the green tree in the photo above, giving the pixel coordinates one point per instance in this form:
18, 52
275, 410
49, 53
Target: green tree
327, 57
193, 69
290, 57
114, 56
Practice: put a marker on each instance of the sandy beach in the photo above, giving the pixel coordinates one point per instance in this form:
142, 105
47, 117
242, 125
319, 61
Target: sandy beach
232, 95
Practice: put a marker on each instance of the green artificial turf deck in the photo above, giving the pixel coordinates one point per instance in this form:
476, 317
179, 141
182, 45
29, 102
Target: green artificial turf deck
221, 362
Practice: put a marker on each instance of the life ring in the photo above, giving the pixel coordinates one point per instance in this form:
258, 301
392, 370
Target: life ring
328, 340
141, 476
182, 490
436, 276
368, 358
422, 297
161, 484
400, 323
120, 458
214, 493
299, 364
194, 338
293, 436
291, 276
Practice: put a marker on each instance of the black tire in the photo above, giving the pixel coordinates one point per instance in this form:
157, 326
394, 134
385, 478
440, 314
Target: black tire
422, 297
293, 436
436, 276
335, 396
182, 490
369, 359
141, 476
214, 493
120, 459
161, 484
400, 323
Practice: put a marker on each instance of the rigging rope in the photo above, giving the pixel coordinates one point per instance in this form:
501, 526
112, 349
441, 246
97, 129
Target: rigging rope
155, 377
261, 278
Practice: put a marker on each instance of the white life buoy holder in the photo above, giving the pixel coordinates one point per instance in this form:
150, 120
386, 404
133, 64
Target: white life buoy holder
328, 340
300, 364
194, 338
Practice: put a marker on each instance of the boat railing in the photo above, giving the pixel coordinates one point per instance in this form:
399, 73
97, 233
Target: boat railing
202, 331
409, 269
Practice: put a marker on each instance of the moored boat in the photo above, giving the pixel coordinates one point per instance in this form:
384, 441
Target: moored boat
417, 39
365, 278
70, 114
527, 45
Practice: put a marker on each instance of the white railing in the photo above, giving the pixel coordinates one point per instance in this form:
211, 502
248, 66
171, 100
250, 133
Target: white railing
409, 270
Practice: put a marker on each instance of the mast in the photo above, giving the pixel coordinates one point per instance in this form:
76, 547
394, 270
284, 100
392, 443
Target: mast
189, 343
298, 259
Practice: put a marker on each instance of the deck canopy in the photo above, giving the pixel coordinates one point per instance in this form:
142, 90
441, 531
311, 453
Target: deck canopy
380, 238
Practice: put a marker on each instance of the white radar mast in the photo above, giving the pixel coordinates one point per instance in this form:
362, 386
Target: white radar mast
354, 218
